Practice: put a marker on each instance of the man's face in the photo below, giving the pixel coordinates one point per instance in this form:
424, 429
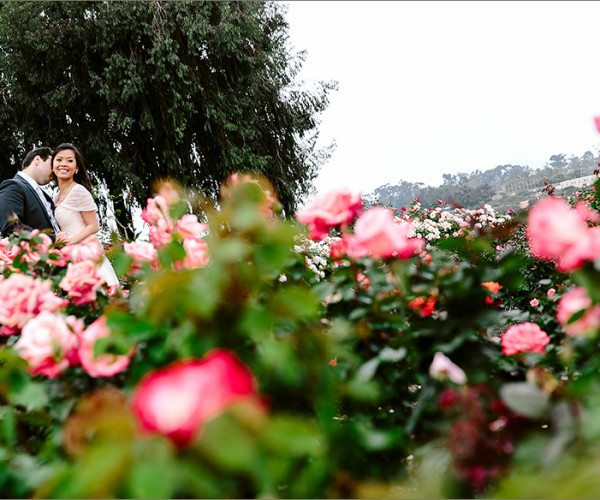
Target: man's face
44, 170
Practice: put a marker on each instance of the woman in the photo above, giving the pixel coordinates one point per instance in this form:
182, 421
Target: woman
75, 209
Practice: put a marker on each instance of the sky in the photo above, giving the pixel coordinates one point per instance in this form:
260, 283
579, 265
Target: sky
434, 87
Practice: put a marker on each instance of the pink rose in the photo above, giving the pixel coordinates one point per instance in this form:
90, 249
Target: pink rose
337, 247
264, 205
376, 233
157, 215
534, 302
336, 208
442, 367
46, 343
560, 234
550, 292
189, 226
169, 193
7, 254
573, 301
141, 251
88, 249
104, 365
33, 251
62, 259
196, 251
526, 337
22, 298
81, 282
364, 281
597, 122
178, 400
159, 237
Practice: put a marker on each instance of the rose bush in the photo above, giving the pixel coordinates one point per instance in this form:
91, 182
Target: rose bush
357, 354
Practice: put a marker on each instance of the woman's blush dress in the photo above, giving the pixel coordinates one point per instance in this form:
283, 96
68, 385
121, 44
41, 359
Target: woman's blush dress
68, 216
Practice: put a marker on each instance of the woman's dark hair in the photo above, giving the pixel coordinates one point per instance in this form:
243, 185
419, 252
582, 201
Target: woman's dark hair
81, 176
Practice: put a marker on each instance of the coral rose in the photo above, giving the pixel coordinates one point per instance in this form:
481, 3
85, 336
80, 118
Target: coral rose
178, 400
492, 286
526, 337
104, 365
333, 209
46, 343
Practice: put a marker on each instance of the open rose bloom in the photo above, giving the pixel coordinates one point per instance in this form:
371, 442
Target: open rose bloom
178, 400
47, 344
572, 302
523, 338
379, 235
103, 365
333, 209
22, 298
88, 249
560, 234
81, 282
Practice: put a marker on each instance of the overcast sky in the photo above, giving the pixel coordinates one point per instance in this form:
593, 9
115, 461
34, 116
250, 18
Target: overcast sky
434, 87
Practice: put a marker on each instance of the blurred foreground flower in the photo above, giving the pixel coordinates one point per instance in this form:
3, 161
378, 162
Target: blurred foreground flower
572, 302
560, 234
376, 233
442, 368
178, 400
332, 209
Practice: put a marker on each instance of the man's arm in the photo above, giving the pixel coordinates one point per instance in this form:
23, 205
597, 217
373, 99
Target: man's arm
12, 205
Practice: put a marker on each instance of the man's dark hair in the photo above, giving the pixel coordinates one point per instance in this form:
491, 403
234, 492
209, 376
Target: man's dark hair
44, 153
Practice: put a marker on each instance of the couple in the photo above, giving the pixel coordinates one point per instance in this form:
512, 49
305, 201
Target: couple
23, 204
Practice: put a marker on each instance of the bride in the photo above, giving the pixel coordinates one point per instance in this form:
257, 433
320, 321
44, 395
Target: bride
75, 210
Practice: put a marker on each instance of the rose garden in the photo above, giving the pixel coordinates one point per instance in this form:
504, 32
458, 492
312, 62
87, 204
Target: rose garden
352, 352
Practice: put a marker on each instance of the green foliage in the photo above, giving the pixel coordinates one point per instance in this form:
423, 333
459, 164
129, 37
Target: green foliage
349, 406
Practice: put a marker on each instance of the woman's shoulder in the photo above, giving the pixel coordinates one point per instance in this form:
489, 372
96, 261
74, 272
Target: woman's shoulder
80, 198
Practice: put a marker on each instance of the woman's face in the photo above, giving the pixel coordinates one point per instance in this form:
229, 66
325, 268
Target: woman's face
64, 165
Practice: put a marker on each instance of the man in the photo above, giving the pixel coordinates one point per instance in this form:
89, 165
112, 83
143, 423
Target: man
23, 204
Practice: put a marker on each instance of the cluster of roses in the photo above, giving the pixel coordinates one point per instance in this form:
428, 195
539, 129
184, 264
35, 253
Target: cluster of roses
163, 229
376, 233
81, 281
438, 221
560, 234
51, 341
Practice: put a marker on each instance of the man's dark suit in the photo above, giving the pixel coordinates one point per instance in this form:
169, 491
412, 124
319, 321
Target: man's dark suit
18, 197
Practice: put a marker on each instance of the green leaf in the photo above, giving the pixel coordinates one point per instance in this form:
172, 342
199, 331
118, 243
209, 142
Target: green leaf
526, 399
33, 396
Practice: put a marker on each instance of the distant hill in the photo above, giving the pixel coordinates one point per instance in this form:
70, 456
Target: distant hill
503, 187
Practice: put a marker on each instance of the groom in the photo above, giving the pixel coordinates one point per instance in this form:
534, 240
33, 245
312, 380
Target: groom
23, 204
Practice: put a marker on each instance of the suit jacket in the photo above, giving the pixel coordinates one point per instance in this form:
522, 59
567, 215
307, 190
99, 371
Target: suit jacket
17, 197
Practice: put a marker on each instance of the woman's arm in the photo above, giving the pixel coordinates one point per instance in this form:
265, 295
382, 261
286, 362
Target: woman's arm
91, 227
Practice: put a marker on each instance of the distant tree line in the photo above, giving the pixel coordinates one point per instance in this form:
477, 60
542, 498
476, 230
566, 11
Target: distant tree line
479, 187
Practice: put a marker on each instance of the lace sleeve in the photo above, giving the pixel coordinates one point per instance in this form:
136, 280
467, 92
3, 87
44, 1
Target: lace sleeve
79, 199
